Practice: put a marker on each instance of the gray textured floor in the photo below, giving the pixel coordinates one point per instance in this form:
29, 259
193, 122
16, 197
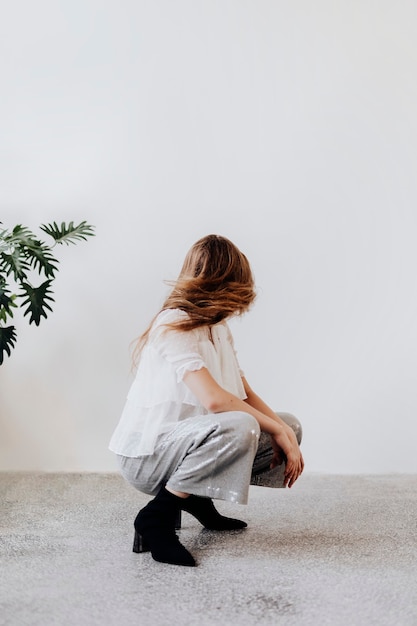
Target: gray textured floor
333, 550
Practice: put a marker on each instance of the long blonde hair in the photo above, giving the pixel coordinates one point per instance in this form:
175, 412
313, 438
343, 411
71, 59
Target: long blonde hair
215, 282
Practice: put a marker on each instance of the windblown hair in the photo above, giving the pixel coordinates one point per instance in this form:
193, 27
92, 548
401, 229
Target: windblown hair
215, 282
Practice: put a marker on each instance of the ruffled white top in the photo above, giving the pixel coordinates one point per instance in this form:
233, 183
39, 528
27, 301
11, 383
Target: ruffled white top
158, 397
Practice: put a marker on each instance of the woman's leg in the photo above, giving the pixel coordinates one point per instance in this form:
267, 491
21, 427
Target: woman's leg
262, 475
155, 530
209, 456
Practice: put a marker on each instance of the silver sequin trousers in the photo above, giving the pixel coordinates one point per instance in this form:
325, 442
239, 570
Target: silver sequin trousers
216, 456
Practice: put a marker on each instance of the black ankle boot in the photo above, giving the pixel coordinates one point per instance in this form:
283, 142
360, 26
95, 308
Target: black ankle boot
155, 530
206, 513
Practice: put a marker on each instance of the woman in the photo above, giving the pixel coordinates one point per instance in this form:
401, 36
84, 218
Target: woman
190, 428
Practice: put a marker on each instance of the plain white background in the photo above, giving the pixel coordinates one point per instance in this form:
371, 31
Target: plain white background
289, 127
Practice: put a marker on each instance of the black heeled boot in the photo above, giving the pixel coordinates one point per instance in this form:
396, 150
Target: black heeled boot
155, 530
206, 513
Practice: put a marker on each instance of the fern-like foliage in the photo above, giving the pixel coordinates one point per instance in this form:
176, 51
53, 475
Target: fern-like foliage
67, 234
20, 235
22, 253
36, 299
14, 263
39, 257
7, 341
12, 248
4, 244
6, 302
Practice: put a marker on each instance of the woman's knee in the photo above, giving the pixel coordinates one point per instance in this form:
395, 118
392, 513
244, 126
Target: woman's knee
246, 428
293, 422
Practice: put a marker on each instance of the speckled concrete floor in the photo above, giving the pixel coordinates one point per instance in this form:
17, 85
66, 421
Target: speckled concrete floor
336, 550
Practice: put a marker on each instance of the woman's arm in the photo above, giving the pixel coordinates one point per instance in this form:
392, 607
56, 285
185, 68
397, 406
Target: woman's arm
257, 403
217, 400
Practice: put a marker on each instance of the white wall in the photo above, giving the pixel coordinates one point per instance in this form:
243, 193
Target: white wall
289, 127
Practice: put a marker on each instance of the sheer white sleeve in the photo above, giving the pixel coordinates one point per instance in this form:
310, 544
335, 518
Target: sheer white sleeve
178, 348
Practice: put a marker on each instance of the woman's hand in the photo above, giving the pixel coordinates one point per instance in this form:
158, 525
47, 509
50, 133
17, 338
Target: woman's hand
285, 447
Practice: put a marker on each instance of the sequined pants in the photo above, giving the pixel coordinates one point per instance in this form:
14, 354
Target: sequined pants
216, 456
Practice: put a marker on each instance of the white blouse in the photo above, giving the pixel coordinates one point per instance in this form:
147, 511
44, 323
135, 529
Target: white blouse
158, 397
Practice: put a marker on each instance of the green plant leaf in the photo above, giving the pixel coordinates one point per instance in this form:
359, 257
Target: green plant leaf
5, 245
7, 341
14, 263
36, 299
21, 235
6, 301
68, 234
20, 253
39, 257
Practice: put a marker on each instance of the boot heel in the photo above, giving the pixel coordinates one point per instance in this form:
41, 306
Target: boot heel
139, 544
